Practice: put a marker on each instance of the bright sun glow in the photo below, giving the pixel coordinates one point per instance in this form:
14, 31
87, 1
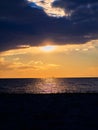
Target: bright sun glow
48, 48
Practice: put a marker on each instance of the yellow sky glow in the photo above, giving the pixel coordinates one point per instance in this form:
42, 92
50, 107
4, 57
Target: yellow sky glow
50, 61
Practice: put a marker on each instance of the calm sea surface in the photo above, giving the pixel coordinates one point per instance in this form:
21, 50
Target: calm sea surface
49, 85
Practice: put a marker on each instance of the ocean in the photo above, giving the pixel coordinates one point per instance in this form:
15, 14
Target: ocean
49, 104
49, 85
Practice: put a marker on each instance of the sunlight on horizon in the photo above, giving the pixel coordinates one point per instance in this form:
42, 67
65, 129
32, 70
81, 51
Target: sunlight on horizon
50, 60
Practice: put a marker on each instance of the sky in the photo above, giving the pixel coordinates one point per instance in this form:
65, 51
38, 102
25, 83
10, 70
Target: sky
48, 38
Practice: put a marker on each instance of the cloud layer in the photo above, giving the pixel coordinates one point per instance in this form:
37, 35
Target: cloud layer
46, 5
23, 24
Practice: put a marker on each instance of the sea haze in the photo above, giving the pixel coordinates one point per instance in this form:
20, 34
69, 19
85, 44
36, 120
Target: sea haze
49, 85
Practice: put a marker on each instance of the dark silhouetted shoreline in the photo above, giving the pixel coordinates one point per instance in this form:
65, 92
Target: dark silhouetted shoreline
53, 111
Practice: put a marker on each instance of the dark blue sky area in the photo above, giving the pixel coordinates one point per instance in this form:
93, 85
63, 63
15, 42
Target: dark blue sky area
22, 24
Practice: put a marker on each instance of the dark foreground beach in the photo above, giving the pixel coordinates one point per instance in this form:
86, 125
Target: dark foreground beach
51, 111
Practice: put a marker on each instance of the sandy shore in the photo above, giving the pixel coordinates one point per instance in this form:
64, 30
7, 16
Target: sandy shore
54, 112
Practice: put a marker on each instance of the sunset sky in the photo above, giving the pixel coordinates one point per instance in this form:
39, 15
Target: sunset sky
48, 38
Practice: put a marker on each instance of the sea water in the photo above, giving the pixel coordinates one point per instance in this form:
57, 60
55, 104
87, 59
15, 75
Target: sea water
49, 85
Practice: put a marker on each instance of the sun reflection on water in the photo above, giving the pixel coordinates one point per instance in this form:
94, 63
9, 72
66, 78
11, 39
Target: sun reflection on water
47, 86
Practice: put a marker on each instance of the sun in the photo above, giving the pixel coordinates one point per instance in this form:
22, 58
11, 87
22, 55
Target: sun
48, 48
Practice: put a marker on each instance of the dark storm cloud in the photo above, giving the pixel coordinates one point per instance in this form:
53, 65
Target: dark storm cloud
21, 24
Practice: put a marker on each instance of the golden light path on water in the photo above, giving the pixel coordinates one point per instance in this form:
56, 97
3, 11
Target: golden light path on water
49, 86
